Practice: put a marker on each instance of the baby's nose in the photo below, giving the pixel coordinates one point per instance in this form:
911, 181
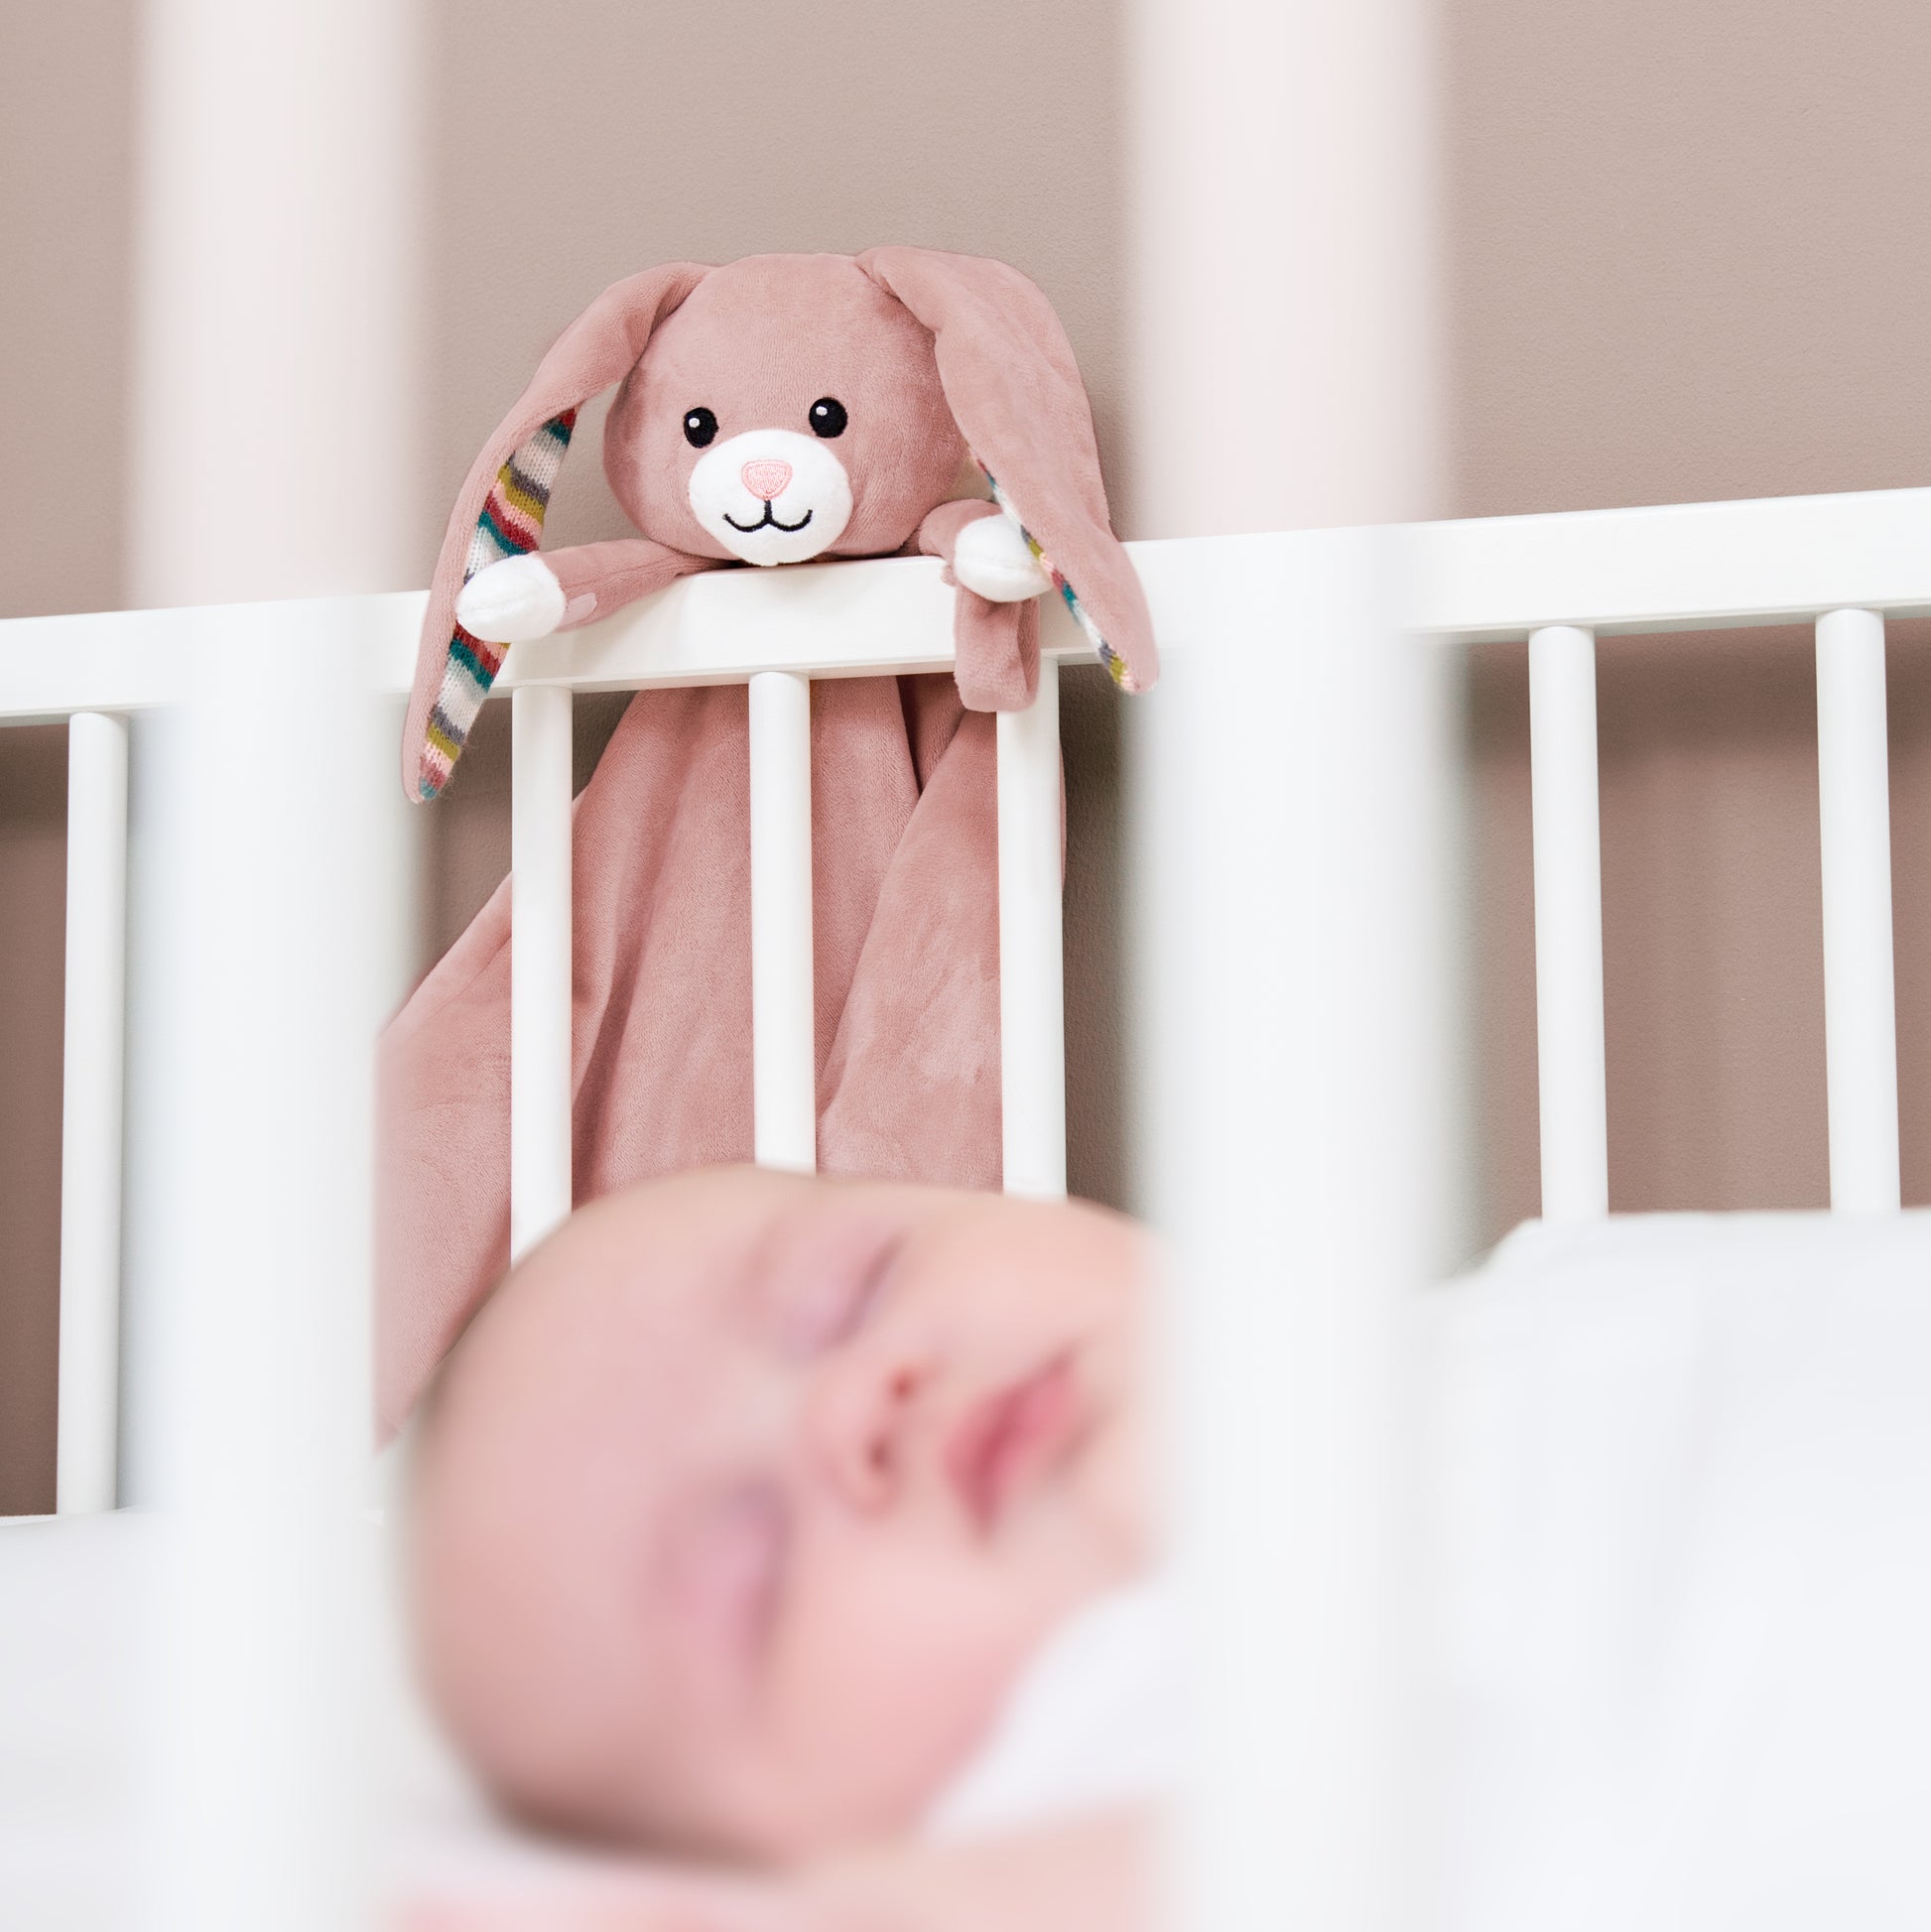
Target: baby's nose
766, 478
859, 1423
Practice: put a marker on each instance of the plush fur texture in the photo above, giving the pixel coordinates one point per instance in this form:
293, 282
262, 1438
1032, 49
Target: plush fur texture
928, 355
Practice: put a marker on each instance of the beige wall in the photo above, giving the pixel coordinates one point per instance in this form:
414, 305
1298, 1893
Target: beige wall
67, 132
1687, 258
707, 132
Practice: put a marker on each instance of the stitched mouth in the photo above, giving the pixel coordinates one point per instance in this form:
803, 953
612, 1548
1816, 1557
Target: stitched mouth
767, 522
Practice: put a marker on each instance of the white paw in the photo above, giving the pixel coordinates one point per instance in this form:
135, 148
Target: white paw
990, 557
511, 602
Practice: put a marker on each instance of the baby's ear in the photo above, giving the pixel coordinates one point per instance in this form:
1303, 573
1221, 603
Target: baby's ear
1014, 389
499, 511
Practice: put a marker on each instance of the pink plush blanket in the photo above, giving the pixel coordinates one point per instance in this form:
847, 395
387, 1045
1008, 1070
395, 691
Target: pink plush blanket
905, 905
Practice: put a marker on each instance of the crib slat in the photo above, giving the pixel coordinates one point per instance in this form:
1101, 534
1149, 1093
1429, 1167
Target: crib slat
1568, 924
1032, 1009
783, 1053
1860, 1006
251, 1364
90, 1116
1286, 1131
539, 963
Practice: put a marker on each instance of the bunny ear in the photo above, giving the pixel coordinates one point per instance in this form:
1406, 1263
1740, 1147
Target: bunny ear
499, 512
1014, 389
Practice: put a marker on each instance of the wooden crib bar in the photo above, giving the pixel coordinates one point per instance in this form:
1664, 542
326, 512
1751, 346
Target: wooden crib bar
1564, 815
90, 1113
1032, 998
539, 963
1860, 1002
784, 1056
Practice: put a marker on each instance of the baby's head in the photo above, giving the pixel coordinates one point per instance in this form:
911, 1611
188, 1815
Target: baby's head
741, 1503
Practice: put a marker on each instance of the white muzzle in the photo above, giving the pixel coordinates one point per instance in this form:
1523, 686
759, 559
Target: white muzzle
772, 496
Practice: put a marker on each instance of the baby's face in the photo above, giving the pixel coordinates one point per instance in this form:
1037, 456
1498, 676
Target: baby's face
742, 1502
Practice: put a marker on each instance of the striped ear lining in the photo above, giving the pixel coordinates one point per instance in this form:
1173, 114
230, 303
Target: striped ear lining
1112, 658
510, 525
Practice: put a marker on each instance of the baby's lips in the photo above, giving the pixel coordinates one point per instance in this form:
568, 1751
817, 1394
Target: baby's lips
1015, 1434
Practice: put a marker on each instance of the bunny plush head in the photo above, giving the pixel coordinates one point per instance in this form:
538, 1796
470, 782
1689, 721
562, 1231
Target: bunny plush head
779, 409
788, 408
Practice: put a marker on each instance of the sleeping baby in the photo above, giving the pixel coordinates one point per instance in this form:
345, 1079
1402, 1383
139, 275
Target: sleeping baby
797, 1533
738, 1512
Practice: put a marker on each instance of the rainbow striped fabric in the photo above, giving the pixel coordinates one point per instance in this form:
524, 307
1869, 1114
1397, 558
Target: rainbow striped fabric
511, 525
1115, 662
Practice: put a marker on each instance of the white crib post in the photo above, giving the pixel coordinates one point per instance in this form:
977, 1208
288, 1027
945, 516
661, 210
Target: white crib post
277, 181
783, 1047
1565, 810
91, 1117
539, 963
1291, 937
1032, 998
259, 1336
1281, 212
1860, 1004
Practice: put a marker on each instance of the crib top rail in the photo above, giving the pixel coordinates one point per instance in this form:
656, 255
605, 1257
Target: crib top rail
1675, 567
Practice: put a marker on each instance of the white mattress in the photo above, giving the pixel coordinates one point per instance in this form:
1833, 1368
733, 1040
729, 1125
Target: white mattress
77, 1756
66, 1683
1683, 1510
1680, 1472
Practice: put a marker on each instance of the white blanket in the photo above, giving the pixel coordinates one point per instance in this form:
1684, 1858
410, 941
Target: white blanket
1680, 1487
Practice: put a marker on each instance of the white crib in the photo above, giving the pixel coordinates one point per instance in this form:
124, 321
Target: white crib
1292, 782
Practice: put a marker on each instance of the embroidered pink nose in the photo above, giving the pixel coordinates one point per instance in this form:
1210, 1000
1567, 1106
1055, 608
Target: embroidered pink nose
766, 480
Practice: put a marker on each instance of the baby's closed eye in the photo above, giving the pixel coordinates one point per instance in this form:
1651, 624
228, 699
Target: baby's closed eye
831, 1302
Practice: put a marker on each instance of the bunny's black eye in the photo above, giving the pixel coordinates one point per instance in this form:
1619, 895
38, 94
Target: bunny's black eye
699, 426
828, 416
